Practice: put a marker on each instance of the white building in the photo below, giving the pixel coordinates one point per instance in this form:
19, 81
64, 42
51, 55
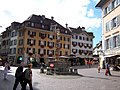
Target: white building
110, 30
82, 43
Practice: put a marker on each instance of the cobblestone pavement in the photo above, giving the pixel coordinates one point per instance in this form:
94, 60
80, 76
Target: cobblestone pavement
91, 80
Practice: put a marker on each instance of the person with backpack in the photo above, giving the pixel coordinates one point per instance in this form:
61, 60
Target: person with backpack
28, 77
19, 76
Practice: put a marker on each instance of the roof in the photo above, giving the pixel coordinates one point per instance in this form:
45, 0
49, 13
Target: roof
101, 3
40, 20
80, 30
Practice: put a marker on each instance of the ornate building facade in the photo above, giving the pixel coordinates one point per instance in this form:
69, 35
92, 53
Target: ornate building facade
36, 36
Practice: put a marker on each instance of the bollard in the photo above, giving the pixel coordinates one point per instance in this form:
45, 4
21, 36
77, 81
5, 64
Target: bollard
71, 70
75, 71
48, 71
42, 69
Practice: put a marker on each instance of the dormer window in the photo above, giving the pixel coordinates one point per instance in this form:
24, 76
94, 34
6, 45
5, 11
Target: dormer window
41, 21
42, 26
66, 31
32, 24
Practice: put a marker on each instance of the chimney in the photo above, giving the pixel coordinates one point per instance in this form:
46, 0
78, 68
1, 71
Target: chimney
66, 25
43, 16
52, 17
83, 28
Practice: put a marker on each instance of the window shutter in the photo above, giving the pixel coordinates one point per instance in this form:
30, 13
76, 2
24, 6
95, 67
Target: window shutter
44, 52
112, 24
118, 40
109, 42
44, 43
112, 44
105, 44
118, 20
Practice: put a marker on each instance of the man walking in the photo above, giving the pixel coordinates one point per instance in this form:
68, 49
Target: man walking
19, 76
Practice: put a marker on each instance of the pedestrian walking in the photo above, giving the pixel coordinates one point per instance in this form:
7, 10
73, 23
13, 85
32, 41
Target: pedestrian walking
28, 77
19, 76
99, 68
107, 70
7, 67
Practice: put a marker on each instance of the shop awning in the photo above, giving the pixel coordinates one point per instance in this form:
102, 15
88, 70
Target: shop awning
109, 55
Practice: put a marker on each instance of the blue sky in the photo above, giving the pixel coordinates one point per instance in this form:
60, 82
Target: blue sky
73, 12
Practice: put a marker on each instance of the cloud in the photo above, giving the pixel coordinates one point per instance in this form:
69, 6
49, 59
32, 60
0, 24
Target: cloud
90, 13
74, 12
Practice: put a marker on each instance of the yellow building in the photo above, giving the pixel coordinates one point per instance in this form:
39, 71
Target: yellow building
110, 30
38, 37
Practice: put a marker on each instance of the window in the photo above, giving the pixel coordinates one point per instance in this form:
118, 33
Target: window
21, 33
80, 37
60, 53
83, 38
76, 37
87, 39
118, 20
42, 35
117, 2
32, 24
73, 36
11, 43
91, 39
15, 42
34, 33
42, 26
66, 46
13, 34
107, 43
28, 49
14, 50
21, 42
105, 11
109, 8
31, 41
66, 31
20, 50
68, 39
10, 51
115, 41
113, 4
114, 22
66, 52
107, 26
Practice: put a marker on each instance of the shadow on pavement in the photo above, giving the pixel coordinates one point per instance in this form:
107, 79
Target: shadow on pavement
115, 76
96, 77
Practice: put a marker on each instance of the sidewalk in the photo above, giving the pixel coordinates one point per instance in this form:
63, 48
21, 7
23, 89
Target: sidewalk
91, 80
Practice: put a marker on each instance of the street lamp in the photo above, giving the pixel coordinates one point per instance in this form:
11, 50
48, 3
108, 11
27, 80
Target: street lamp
104, 59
